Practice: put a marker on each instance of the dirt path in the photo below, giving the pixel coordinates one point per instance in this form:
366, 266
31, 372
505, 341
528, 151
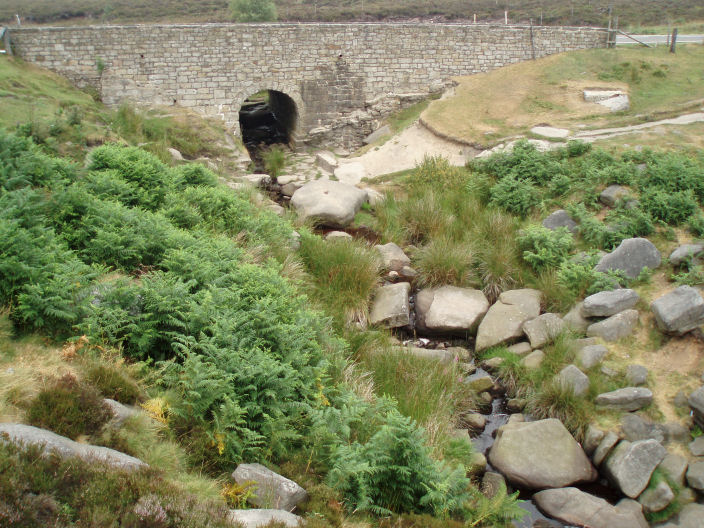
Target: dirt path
406, 150
605, 133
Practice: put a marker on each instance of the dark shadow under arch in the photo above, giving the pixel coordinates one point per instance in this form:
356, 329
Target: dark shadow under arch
267, 118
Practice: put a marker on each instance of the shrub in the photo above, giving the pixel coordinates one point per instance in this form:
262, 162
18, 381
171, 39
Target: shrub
543, 248
69, 408
577, 148
672, 207
113, 383
253, 10
580, 277
515, 196
393, 472
696, 224
274, 159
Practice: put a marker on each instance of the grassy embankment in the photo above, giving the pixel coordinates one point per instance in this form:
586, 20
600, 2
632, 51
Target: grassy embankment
630, 12
509, 101
68, 122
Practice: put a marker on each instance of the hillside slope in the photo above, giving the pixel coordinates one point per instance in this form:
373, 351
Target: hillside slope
631, 12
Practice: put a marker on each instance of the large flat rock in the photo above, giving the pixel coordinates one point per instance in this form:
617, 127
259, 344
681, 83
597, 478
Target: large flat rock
631, 464
262, 518
391, 307
392, 257
503, 323
631, 257
328, 203
541, 454
66, 448
272, 490
578, 508
450, 309
544, 329
679, 311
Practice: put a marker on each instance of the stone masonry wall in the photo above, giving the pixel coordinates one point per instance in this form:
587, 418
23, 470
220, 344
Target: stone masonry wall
343, 77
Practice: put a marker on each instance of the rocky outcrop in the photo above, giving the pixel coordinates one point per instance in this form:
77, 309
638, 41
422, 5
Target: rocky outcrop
608, 303
450, 310
504, 321
679, 311
631, 257
538, 455
328, 203
578, 508
66, 448
631, 464
391, 307
270, 489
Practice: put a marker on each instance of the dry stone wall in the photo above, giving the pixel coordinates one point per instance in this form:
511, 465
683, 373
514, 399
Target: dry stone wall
343, 77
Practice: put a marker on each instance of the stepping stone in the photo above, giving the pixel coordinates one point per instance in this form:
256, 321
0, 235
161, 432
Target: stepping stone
450, 310
391, 306
627, 399
679, 311
615, 327
631, 257
443, 356
631, 464
558, 219
520, 349
608, 303
258, 180
696, 446
481, 383
272, 489
635, 428
475, 422
492, 483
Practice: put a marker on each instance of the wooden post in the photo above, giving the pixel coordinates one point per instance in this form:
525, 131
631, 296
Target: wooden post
6, 41
532, 45
475, 18
674, 41
506, 17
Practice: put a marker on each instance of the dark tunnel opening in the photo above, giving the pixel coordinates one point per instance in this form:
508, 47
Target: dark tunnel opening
267, 118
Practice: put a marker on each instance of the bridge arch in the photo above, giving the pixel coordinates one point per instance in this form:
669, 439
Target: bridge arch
284, 94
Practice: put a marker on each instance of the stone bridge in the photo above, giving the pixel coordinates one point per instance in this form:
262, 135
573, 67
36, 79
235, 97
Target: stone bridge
331, 82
